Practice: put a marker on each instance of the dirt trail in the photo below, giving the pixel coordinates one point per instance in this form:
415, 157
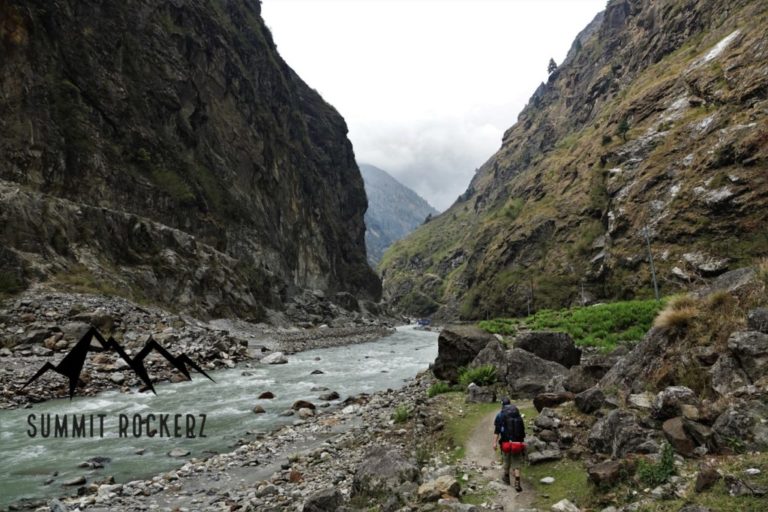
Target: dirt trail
479, 452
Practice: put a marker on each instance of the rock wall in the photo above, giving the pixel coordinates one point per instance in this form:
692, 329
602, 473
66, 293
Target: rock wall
133, 128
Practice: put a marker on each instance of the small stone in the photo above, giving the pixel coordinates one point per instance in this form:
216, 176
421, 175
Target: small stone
317, 372
752, 471
267, 395
178, 452
333, 395
302, 404
275, 358
117, 378
78, 480
547, 480
564, 506
258, 410
707, 477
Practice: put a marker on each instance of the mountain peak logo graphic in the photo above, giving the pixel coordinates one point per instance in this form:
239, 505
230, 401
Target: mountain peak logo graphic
72, 364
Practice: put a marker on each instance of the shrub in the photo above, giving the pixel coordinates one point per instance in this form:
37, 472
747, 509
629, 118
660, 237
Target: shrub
676, 319
481, 375
653, 474
438, 388
683, 302
401, 414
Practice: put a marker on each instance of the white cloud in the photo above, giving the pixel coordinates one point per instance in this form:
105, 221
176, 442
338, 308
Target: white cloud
427, 86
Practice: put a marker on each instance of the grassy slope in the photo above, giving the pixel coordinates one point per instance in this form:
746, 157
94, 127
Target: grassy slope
568, 185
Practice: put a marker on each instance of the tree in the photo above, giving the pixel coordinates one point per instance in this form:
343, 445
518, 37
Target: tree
552, 66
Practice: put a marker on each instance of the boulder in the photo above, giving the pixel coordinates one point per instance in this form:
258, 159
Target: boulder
480, 394
550, 346
267, 395
641, 401
742, 427
590, 400
384, 470
547, 455
275, 358
332, 395
258, 409
178, 452
523, 373
668, 402
543, 400
304, 413
605, 474
617, 434
750, 348
726, 375
78, 480
706, 478
457, 346
757, 320
564, 506
444, 486
302, 404
327, 500
675, 433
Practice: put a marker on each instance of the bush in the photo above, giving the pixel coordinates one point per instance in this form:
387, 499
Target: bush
653, 474
677, 320
438, 388
401, 414
481, 375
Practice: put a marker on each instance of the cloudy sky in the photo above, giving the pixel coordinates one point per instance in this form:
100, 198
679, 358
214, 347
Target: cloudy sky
427, 87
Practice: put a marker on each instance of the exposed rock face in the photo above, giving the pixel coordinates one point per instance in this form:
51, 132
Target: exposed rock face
170, 150
618, 434
742, 426
668, 403
523, 373
552, 346
394, 210
457, 346
656, 119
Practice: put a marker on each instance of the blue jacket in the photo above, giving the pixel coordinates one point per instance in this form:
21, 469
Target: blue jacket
517, 424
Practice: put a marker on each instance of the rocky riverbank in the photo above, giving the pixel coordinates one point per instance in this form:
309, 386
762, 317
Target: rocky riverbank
42, 325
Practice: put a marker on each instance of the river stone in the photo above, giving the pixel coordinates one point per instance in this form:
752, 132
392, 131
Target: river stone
457, 346
550, 346
327, 500
317, 372
57, 506
275, 358
78, 480
258, 409
302, 404
333, 395
117, 378
178, 452
305, 413
267, 395
383, 470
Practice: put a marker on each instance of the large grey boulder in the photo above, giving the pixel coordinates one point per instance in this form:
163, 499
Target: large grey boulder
727, 375
590, 400
384, 470
480, 394
618, 434
551, 346
742, 426
592, 368
328, 500
750, 348
523, 373
457, 346
631, 373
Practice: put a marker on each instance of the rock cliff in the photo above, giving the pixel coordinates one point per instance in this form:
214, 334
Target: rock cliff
657, 123
165, 150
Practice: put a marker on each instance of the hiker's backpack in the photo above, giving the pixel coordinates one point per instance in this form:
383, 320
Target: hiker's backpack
513, 428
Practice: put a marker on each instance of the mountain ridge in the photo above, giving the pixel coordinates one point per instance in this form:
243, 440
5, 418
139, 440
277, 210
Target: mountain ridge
394, 210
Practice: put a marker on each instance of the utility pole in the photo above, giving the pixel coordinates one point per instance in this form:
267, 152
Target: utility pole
650, 260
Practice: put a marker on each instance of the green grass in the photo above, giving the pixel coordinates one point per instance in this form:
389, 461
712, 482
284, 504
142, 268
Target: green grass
602, 325
570, 482
481, 375
462, 420
401, 414
438, 388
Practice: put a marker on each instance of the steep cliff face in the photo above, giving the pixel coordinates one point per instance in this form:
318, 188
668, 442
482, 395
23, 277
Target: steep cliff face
656, 122
126, 124
394, 210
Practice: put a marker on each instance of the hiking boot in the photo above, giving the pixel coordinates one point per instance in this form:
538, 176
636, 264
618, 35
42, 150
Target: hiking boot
505, 479
518, 487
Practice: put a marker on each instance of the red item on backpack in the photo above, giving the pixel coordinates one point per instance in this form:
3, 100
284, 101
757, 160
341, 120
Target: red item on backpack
512, 447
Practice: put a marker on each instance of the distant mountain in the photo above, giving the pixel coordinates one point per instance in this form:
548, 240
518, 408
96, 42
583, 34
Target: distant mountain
394, 210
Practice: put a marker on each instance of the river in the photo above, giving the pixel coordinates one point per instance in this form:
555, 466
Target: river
29, 462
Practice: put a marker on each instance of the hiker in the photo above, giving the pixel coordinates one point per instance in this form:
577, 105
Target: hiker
509, 431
